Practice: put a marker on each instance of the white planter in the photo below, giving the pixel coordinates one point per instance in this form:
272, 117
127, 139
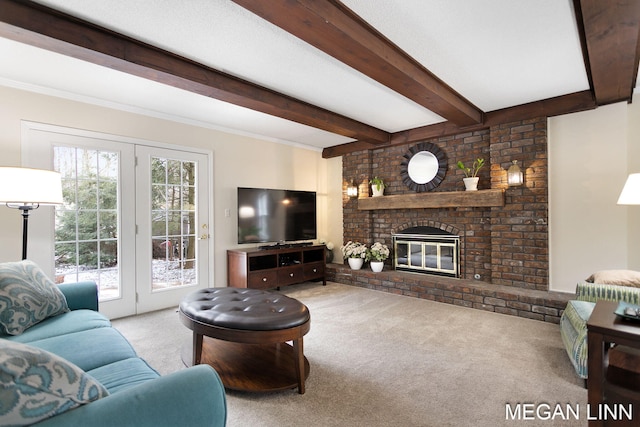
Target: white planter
355, 263
376, 266
471, 184
375, 192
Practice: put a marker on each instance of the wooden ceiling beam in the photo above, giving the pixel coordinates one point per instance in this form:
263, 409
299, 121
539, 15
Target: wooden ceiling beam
33, 24
572, 103
336, 30
610, 35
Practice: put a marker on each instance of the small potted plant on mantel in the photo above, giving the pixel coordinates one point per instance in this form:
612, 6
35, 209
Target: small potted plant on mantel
377, 186
471, 174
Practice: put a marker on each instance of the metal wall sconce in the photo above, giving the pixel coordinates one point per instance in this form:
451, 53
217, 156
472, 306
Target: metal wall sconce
514, 175
352, 189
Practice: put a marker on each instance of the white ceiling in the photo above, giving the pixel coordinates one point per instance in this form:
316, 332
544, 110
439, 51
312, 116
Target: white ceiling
495, 53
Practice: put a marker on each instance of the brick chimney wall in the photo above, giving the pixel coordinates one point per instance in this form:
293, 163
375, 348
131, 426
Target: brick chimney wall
503, 245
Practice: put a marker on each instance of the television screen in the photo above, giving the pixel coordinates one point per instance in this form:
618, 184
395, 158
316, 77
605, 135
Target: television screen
267, 215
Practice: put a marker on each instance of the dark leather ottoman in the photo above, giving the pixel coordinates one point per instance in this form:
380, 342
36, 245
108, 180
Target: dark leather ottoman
243, 334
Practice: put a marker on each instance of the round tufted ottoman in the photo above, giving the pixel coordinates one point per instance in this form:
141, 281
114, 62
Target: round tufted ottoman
244, 335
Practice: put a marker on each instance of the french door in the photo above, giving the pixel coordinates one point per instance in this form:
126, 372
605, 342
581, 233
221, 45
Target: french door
134, 219
172, 239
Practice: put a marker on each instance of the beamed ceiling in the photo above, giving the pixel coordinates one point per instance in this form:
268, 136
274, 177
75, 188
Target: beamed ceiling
337, 76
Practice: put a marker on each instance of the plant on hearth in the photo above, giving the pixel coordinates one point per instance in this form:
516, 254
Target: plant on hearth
471, 172
354, 250
378, 252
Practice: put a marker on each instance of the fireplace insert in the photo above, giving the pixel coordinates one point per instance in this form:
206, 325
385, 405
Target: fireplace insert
427, 250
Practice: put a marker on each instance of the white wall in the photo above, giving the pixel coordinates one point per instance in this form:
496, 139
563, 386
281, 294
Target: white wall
238, 161
590, 155
633, 165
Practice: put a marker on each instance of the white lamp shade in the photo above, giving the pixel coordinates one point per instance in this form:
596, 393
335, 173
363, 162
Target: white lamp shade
630, 194
25, 186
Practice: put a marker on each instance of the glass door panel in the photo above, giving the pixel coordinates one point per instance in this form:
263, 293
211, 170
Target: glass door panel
446, 257
86, 225
431, 256
173, 216
416, 255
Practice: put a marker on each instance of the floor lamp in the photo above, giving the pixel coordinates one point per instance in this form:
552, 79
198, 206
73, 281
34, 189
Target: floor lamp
27, 189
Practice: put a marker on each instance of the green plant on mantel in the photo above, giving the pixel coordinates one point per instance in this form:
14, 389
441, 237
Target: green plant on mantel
471, 172
378, 182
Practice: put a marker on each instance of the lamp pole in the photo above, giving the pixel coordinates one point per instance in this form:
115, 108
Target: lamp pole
25, 226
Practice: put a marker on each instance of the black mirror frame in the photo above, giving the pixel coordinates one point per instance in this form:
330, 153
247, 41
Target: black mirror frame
437, 179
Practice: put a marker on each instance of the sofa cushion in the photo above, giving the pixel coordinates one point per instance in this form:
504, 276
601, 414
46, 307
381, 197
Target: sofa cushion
73, 321
123, 374
27, 297
37, 384
616, 277
89, 349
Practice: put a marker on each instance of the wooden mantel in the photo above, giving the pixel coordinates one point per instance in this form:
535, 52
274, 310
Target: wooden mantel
450, 199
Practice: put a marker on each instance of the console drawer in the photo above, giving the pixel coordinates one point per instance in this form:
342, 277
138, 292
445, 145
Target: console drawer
313, 270
263, 279
290, 275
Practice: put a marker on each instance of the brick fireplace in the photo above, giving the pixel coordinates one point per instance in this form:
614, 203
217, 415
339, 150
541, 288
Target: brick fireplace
501, 248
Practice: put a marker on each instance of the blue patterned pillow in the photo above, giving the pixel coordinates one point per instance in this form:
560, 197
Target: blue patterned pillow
27, 297
36, 384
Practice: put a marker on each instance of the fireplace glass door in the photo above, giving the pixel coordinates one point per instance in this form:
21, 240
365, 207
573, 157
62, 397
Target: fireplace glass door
434, 256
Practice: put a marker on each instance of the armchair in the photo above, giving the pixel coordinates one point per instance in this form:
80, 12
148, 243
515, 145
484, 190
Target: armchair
573, 322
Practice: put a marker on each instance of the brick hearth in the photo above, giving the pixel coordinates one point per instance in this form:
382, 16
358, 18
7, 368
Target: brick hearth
529, 303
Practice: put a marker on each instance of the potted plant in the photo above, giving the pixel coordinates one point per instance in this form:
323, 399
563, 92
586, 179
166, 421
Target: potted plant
329, 251
376, 256
355, 253
377, 186
471, 173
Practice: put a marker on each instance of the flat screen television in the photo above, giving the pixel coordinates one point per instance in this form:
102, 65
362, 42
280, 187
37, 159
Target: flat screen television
269, 215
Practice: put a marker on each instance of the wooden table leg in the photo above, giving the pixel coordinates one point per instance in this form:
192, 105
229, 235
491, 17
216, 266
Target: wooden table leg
298, 351
595, 380
197, 348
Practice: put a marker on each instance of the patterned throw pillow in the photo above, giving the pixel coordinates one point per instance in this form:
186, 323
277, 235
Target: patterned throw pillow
27, 297
36, 384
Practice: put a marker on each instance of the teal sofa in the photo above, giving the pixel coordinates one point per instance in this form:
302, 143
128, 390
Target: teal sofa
136, 395
573, 322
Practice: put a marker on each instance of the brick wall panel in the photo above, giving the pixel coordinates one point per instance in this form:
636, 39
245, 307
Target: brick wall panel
505, 245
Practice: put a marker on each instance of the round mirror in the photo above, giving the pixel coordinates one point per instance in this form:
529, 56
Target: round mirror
424, 167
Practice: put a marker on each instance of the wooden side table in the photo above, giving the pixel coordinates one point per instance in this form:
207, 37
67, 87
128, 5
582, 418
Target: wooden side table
604, 328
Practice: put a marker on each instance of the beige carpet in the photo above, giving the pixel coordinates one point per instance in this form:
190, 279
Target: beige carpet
379, 359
